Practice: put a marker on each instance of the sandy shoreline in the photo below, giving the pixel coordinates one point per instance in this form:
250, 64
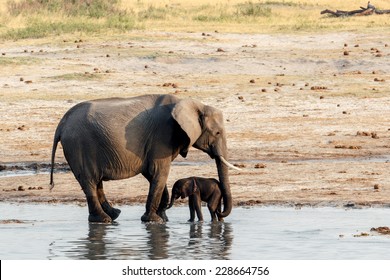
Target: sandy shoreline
307, 115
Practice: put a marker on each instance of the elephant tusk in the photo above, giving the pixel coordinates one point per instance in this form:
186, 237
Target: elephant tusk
228, 164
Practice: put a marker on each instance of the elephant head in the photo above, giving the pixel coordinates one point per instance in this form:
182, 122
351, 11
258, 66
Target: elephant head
182, 189
204, 126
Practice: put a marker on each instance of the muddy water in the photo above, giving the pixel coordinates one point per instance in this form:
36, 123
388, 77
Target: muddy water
40, 231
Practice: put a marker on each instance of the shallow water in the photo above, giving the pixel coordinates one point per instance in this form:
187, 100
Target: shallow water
41, 231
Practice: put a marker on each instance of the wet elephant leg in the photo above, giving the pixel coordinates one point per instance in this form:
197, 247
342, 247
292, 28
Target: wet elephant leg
192, 208
96, 213
156, 190
163, 205
106, 206
198, 207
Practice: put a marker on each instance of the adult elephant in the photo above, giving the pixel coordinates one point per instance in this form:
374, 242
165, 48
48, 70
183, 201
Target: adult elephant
117, 138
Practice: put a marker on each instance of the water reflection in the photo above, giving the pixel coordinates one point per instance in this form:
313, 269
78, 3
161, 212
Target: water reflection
157, 241
95, 243
215, 243
149, 241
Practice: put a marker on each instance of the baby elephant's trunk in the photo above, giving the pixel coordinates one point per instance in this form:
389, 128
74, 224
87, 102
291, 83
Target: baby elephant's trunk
172, 201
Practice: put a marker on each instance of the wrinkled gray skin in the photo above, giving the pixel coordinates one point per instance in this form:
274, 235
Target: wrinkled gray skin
117, 138
199, 189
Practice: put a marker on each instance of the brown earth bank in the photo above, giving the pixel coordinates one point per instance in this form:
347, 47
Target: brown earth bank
307, 115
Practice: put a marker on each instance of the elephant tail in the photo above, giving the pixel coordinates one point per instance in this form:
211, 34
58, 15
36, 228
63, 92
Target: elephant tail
57, 139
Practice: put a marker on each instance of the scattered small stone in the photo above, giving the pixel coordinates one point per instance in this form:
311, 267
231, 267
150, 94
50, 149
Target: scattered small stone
241, 97
21, 79
346, 52
376, 187
379, 80
263, 90
173, 85
239, 165
107, 55
351, 147
363, 133
252, 81
356, 46
260, 165
28, 82
220, 50
374, 135
22, 127
21, 188
11, 221
381, 230
362, 234
318, 88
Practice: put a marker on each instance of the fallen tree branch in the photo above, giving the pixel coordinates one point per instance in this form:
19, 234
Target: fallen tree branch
362, 12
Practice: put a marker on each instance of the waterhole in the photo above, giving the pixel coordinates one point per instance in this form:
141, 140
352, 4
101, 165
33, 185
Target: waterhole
56, 231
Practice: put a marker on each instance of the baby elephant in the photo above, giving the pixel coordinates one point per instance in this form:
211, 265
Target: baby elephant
199, 189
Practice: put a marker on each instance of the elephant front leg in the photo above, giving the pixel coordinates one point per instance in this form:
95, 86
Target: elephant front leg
163, 205
156, 190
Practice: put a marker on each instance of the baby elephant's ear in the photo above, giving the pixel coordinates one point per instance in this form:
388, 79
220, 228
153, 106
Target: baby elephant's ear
187, 114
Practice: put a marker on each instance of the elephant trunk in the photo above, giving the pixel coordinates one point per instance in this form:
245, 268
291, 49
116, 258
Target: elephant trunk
172, 201
223, 174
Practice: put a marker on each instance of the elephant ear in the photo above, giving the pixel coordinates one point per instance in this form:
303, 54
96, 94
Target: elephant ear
187, 114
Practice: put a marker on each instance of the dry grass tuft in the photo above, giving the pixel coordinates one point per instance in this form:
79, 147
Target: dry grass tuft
36, 18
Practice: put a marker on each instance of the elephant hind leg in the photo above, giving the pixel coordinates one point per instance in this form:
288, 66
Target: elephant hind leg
106, 206
96, 213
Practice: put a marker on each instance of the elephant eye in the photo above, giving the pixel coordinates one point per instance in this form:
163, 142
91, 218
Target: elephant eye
218, 133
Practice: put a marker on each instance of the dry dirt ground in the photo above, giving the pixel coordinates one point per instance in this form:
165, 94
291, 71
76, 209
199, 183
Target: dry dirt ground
307, 115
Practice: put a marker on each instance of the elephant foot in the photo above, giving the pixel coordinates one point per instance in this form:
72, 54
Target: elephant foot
163, 216
111, 211
115, 213
99, 219
152, 217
